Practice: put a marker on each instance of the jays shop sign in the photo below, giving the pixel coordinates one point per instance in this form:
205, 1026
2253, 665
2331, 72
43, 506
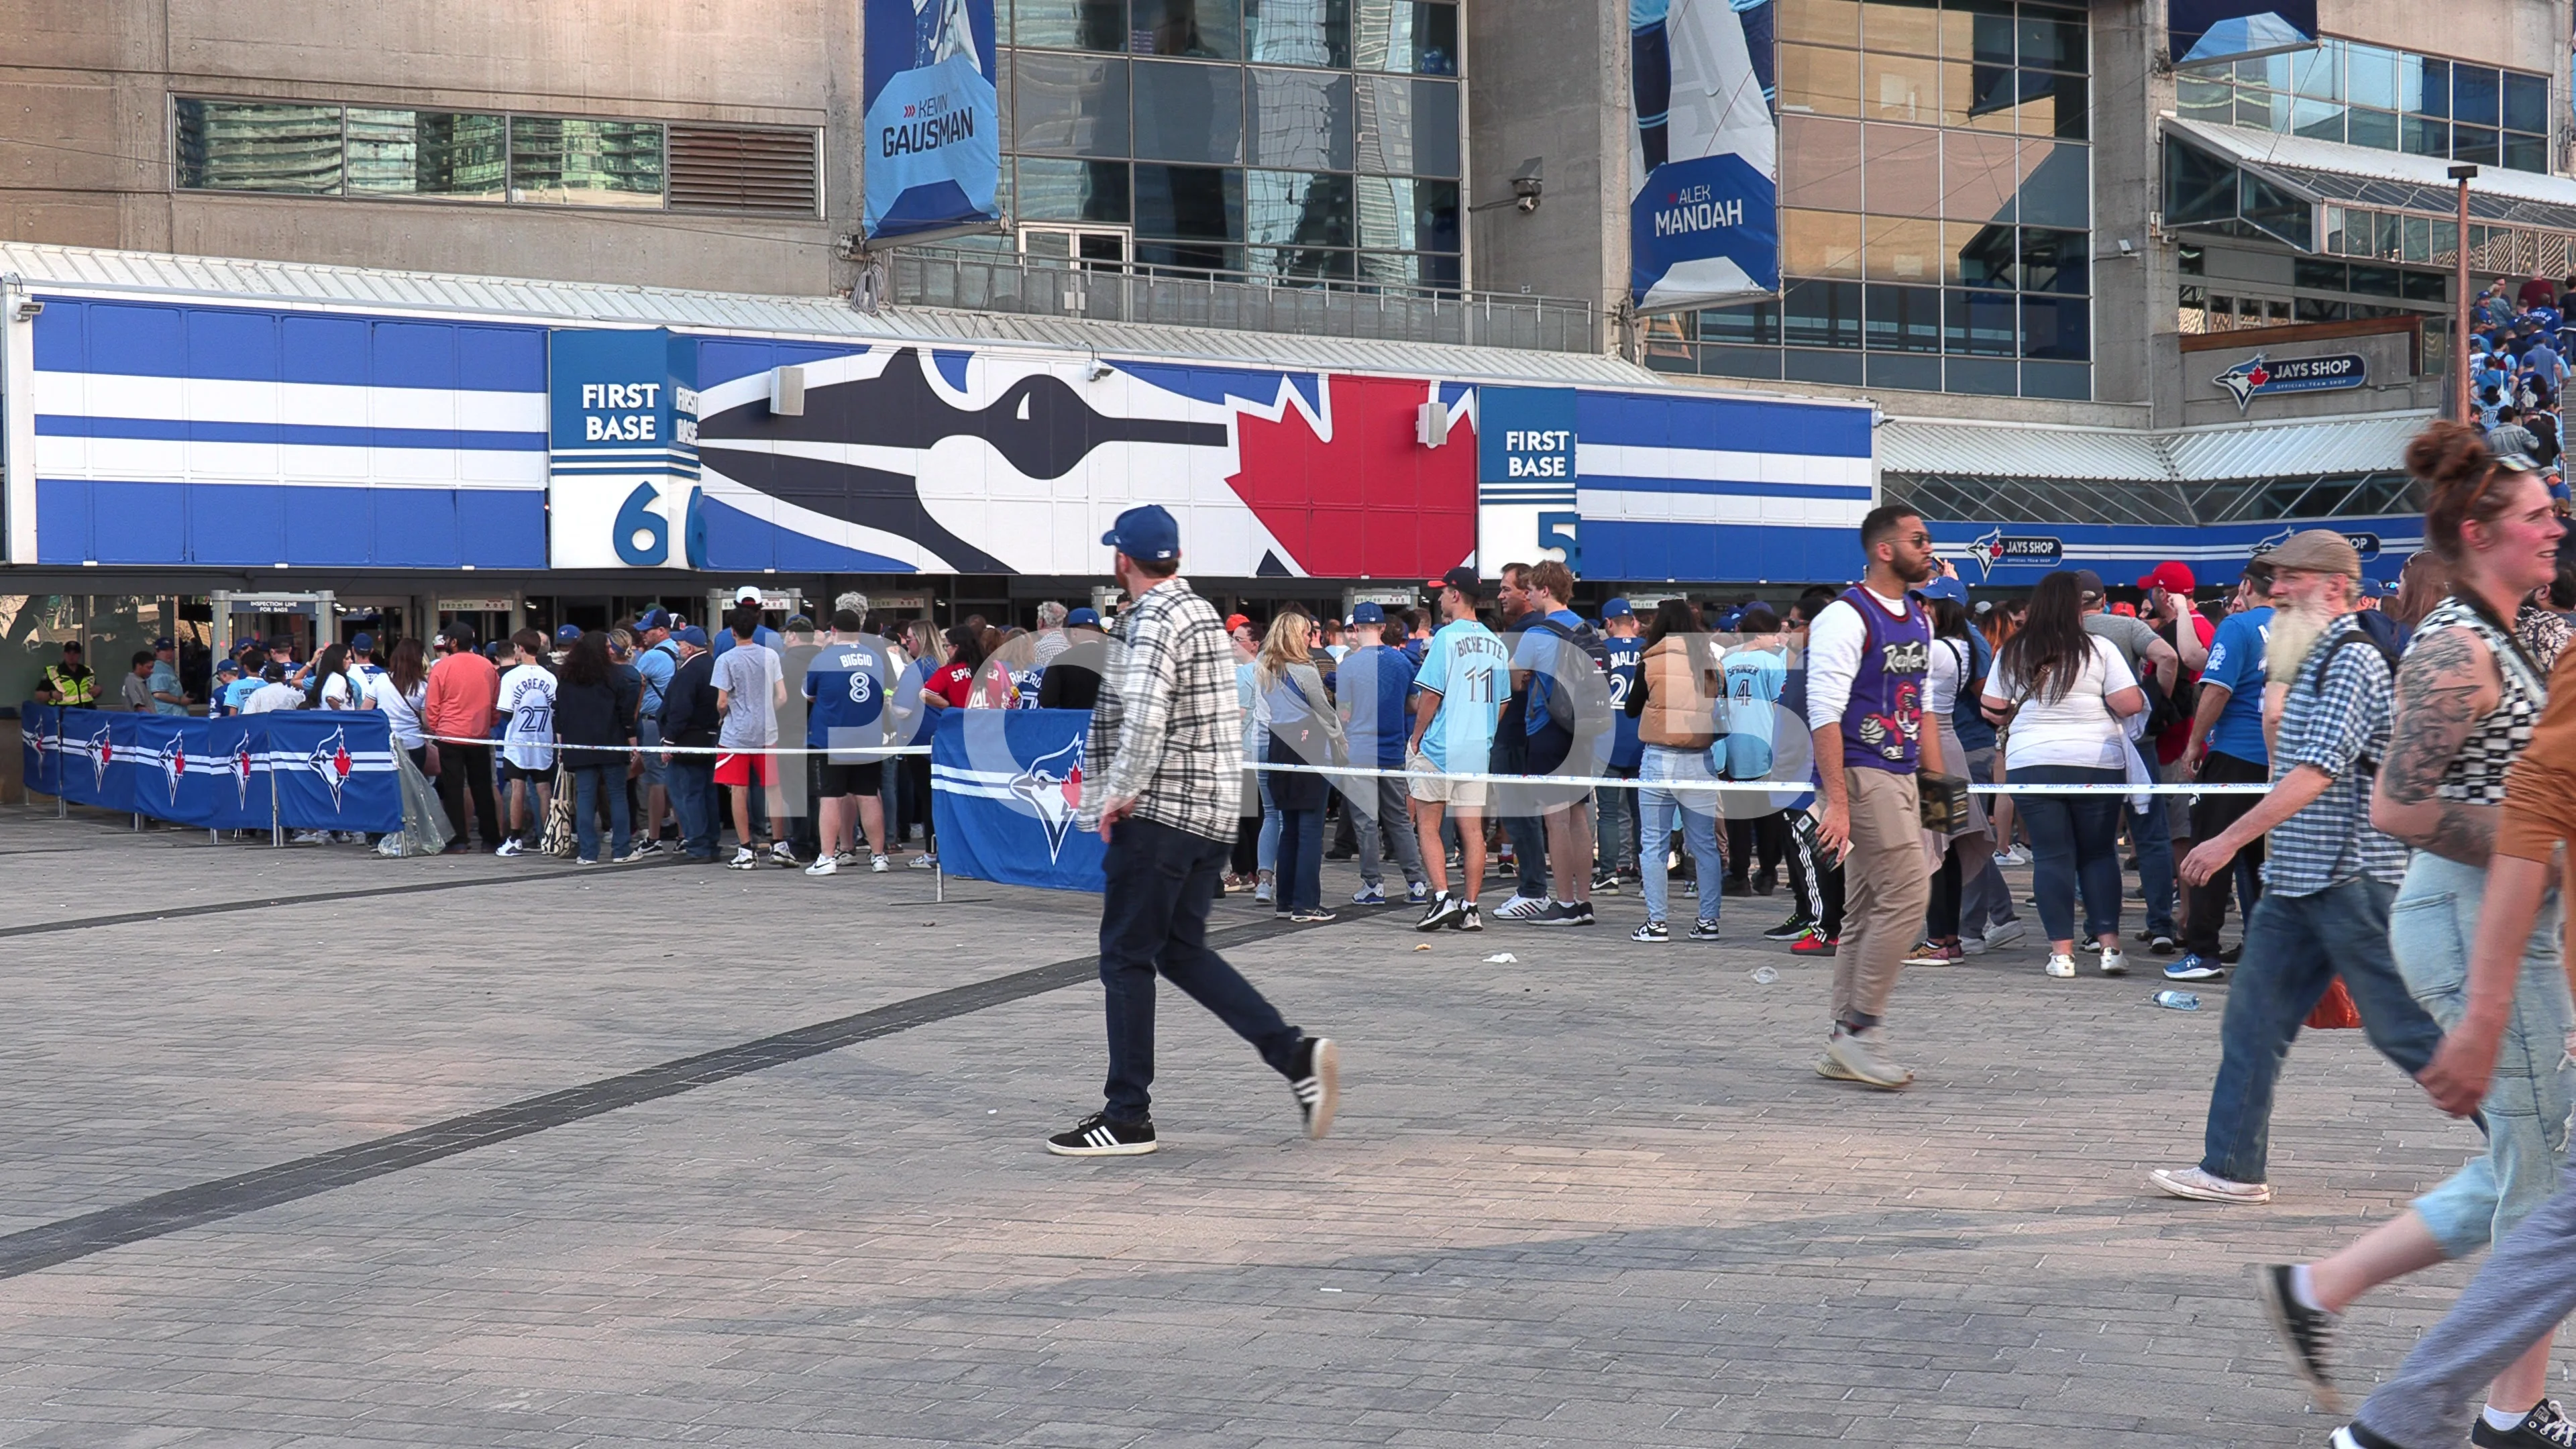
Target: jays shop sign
2258, 376
622, 486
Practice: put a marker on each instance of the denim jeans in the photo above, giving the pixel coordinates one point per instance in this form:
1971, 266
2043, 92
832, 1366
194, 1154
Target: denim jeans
1697, 810
1299, 886
2430, 928
589, 782
2074, 839
1985, 900
1269, 857
1614, 823
1393, 818
692, 780
1161, 882
2295, 946
2153, 835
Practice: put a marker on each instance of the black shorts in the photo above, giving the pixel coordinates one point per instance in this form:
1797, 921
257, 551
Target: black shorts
1548, 748
511, 772
845, 780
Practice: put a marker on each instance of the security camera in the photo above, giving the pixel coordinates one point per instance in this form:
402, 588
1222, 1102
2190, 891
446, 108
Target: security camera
27, 309
1528, 184
1100, 371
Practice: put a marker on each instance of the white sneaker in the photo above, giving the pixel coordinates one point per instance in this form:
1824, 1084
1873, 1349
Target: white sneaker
511, 847
2201, 1186
2004, 933
2115, 963
924, 862
878, 865
825, 866
2060, 966
744, 858
1521, 908
1857, 1057
846, 857
2014, 856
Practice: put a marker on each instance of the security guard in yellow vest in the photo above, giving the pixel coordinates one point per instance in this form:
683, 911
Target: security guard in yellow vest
68, 683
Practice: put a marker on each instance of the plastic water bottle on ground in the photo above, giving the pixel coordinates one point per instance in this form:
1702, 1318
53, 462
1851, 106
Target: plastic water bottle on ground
2178, 1000
1764, 975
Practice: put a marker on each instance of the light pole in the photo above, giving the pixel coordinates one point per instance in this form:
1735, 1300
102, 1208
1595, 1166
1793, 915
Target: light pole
2461, 174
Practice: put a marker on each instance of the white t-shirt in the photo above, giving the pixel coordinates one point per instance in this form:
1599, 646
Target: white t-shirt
271, 697
402, 712
2078, 729
1950, 661
528, 697
336, 693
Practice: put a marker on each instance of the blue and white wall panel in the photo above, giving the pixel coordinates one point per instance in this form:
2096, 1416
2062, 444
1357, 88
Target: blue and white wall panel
2018, 555
181, 433
1684, 487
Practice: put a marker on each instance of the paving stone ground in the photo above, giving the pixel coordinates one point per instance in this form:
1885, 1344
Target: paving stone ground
1594, 1196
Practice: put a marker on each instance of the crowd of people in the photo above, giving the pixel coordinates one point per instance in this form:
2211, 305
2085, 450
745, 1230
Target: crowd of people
2521, 355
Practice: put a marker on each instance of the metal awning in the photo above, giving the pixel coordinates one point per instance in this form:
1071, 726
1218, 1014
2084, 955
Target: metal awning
1936, 448
2333, 171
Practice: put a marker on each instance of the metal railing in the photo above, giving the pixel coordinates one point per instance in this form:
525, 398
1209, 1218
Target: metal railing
1237, 301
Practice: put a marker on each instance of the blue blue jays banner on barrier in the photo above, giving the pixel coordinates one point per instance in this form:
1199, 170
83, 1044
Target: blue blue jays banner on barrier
1704, 226
1005, 785
934, 145
329, 770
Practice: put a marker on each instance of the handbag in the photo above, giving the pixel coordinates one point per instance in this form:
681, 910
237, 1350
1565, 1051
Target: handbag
559, 838
1942, 803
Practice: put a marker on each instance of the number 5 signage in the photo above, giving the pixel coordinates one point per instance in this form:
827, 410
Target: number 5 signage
622, 490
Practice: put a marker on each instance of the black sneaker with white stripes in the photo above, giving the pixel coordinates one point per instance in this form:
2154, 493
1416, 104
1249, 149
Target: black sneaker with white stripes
2307, 1333
1316, 1078
2545, 1427
1097, 1136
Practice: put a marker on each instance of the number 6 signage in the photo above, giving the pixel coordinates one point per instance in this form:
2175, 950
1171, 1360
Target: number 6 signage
622, 488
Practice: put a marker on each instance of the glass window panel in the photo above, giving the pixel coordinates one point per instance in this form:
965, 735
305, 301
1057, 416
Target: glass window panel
1978, 31
1903, 319
2209, 101
1194, 113
1902, 166
2056, 261
1982, 97
1071, 104
2060, 328
1822, 314
1435, 128
1072, 190
1820, 243
1299, 32
2316, 274
1901, 250
2057, 380
1755, 324
1978, 324
2426, 136
1822, 22
2191, 261
1910, 27
1399, 36
585, 163
2273, 209
2331, 241
2418, 240
1195, 209
2428, 286
2370, 75
1905, 372
2263, 110
1298, 118
2317, 120
1822, 82
1201, 29
2375, 129
2199, 187
1978, 375
2384, 241
1984, 256
1819, 163
1290, 266
2423, 85
1384, 124
428, 153
2476, 143
2064, 112
1900, 88
1841, 369
1070, 24
2052, 41
1412, 270
2526, 102
1757, 362
1385, 213
2526, 153
2268, 72
2477, 95
2318, 74
237, 146
1979, 175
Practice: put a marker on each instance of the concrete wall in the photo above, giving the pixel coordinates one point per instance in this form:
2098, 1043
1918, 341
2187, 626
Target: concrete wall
2526, 34
85, 152
1548, 78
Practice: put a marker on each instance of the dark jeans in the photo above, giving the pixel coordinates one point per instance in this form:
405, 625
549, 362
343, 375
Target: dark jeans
692, 782
1154, 915
462, 768
1941, 922
2210, 815
2152, 833
1300, 883
2074, 839
1760, 841
589, 783
2295, 946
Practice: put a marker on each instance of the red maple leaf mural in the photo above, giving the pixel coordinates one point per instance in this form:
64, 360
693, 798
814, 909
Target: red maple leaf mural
1370, 500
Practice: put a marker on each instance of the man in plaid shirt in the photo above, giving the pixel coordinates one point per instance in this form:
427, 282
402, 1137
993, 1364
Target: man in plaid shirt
1162, 778
2328, 880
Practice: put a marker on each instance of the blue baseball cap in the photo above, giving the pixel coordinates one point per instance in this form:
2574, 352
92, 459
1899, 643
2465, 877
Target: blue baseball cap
1617, 609
693, 636
1953, 590
1083, 616
229, 666
568, 634
362, 643
652, 619
1147, 532
1368, 614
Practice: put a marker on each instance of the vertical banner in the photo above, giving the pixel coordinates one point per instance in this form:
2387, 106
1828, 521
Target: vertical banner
1525, 478
1005, 786
934, 145
622, 438
1704, 226
2206, 32
39, 747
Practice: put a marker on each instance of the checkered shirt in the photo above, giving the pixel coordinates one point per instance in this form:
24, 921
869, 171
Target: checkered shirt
2339, 724
1168, 730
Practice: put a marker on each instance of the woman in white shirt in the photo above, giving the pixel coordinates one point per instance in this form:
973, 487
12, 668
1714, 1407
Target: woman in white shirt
2066, 694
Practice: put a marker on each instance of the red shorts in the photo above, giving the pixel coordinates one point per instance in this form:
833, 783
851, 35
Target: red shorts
746, 769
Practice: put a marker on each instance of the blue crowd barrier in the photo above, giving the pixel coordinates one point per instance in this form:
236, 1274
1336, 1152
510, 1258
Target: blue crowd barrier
1005, 785
302, 770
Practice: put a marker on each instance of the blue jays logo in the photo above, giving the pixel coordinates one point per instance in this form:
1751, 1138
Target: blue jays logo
2244, 380
241, 771
1051, 786
174, 763
330, 760
100, 753
1996, 548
